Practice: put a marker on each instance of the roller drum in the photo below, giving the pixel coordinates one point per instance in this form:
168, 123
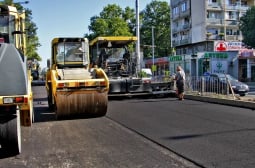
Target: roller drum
76, 104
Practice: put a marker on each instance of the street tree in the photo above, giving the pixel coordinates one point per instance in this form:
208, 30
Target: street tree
247, 25
112, 21
32, 39
156, 16
31, 31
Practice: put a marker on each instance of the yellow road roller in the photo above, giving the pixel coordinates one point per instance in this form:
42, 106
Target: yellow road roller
74, 87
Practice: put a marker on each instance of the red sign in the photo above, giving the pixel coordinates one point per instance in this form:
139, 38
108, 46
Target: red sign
246, 53
221, 46
1, 40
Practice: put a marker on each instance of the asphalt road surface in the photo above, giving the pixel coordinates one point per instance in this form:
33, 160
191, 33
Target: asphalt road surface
162, 132
210, 135
81, 143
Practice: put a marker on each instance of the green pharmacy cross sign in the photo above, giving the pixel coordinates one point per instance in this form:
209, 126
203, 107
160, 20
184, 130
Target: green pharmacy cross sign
219, 65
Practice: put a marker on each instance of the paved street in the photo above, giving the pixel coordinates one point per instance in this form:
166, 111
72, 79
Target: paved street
85, 143
160, 132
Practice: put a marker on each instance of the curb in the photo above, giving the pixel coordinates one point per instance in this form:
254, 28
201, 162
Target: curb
236, 103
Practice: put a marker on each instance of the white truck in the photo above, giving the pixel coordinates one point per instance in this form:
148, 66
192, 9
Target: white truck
16, 97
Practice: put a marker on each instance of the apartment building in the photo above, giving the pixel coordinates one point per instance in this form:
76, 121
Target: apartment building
206, 37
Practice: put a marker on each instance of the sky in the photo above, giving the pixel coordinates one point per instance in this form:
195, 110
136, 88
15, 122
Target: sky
68, 18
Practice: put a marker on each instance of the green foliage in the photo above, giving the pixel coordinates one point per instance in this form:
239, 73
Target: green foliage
142, 74
31, 31
112, 21
157, 15
247, 25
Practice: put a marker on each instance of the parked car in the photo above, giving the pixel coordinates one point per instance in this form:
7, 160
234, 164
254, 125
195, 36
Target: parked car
221, 83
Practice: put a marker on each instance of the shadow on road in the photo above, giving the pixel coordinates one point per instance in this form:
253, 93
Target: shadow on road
5, 153
43, 114
189, 136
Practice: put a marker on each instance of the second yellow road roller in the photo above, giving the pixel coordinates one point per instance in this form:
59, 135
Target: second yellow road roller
74, 87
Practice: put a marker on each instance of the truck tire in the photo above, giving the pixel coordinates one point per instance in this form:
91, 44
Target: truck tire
10, 133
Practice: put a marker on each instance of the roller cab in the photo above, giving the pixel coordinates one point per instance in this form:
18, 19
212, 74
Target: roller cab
74, 88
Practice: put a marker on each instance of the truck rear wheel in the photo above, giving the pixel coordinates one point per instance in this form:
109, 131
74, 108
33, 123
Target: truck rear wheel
10, 133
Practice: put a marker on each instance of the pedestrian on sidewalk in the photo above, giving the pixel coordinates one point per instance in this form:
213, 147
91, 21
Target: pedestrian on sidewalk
180, 80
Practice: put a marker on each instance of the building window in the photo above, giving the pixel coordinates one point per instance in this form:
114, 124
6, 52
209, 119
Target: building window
175, 11
212, 1
184, 7
229, 32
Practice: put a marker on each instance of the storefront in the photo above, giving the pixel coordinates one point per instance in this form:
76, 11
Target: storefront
214, 62
246, 65
227, 57
206, 62
183, 60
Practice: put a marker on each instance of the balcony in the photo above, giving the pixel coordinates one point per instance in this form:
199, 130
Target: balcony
175, 43
234, 7
186, 26
211, 36
174, 30
185, 41
176, 16
231, 17
214, 21
214, 6
228, 37
185, 13
232, 23
175, 3
233, 37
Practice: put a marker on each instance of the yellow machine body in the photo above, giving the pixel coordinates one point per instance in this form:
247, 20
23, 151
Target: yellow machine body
116, 56
74, 88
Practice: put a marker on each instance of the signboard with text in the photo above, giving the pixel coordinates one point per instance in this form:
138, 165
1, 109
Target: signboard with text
227, 45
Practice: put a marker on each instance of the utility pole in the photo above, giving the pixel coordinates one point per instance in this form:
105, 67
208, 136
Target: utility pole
138, 37
171, 30
152, 42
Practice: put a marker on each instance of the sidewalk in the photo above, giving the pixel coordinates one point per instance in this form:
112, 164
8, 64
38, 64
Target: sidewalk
251, 85
243, 101
251, 88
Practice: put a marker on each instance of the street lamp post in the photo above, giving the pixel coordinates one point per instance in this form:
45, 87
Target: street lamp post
138, 37
152, 41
